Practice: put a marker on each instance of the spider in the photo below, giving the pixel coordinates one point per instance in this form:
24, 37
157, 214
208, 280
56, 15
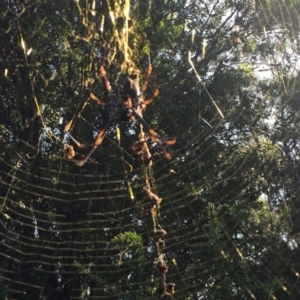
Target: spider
132, 108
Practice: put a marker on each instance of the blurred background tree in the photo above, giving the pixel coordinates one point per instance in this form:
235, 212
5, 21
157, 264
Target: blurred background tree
230, 193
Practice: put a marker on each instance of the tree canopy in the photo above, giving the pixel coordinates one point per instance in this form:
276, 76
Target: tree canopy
219, 220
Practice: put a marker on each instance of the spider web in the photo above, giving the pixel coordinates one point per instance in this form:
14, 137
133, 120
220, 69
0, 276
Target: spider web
227, 226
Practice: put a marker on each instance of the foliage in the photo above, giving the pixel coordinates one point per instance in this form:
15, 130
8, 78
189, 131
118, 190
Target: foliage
230, 193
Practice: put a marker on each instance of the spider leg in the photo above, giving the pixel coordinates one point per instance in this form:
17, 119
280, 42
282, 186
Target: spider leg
143, 103
153, 135
69, 151
80, 146
100, 136
140, 106
145, 83
105, 79
94, 98
155, 94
